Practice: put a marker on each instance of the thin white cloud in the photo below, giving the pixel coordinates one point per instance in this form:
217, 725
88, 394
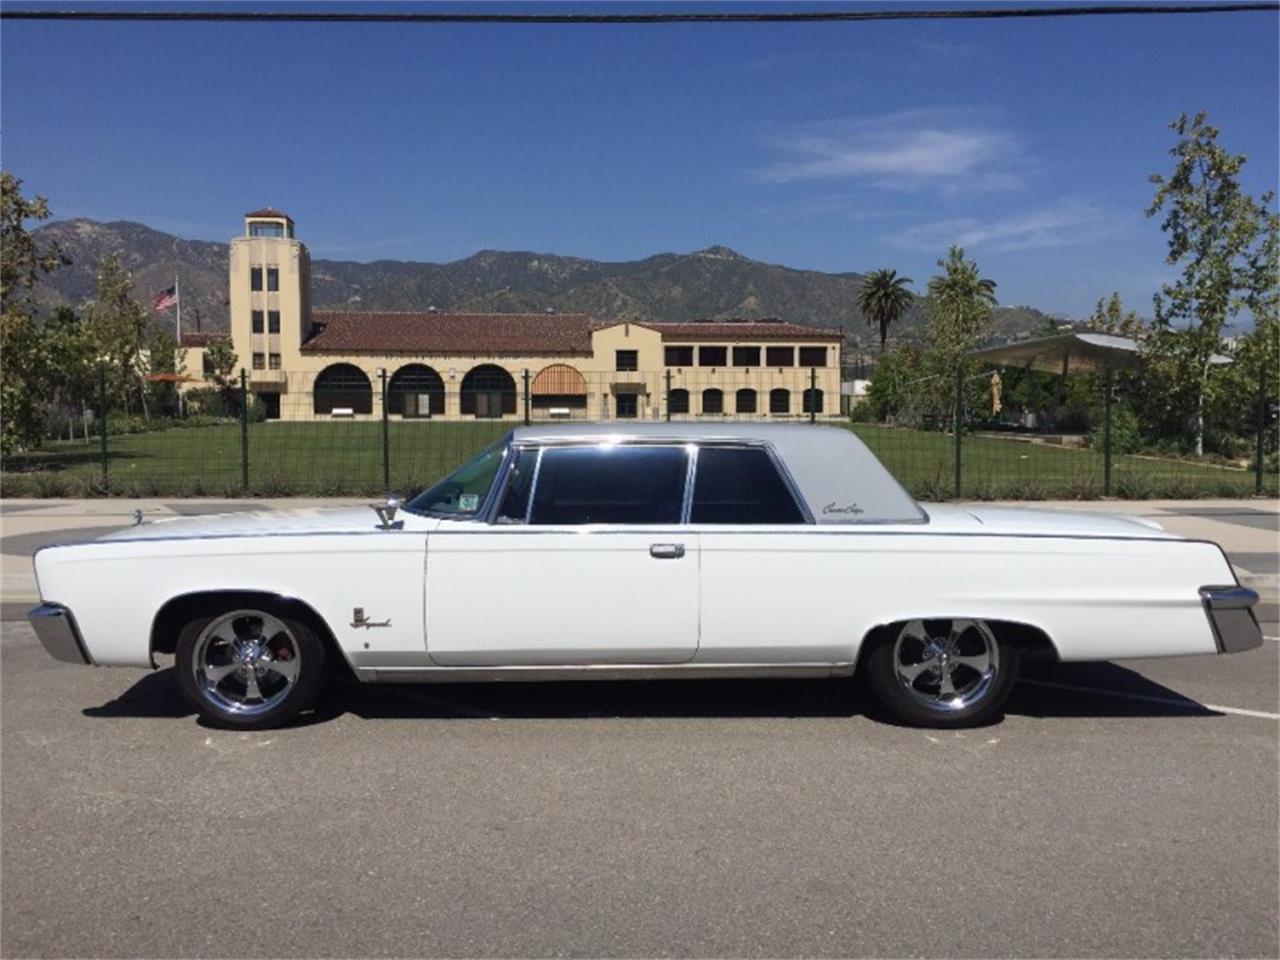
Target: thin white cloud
946, 150
1061, 225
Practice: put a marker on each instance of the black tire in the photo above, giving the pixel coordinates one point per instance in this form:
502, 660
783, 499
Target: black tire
890, 657
281, 698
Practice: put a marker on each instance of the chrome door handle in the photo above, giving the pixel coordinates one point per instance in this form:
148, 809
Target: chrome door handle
666, 551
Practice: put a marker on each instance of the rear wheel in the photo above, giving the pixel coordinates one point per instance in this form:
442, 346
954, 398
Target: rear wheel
943, 673
245, 668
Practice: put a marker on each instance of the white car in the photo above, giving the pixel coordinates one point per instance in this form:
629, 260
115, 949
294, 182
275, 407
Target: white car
646, 550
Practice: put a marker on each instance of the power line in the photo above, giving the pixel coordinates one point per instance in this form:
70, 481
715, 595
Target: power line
798, 16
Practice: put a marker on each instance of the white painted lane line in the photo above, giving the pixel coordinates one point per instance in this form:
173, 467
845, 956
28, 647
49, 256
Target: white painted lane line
1167, 701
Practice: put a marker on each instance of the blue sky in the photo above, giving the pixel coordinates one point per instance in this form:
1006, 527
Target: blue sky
827, 146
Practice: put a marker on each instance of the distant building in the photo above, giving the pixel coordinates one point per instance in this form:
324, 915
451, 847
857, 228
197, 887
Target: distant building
307, 364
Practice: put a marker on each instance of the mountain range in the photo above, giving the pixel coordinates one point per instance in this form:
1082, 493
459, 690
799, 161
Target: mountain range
715, 283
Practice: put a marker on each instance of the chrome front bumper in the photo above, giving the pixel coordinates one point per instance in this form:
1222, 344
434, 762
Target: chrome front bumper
58, 634
1230, 613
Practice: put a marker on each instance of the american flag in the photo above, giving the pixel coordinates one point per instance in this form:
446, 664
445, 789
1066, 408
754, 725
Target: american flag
164, 300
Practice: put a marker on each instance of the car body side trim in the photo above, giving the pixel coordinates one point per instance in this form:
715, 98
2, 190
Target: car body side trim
646, 671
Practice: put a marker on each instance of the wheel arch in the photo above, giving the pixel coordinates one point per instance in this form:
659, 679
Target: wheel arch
1032, 639
182, 609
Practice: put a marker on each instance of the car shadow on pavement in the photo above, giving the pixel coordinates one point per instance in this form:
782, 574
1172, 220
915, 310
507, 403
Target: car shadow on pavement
1047, 690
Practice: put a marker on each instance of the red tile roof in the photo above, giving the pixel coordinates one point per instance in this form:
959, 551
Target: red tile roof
520, 334
737, 331
270, 212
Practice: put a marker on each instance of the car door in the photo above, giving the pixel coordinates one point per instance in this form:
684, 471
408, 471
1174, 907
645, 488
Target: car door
772, 590
586, 562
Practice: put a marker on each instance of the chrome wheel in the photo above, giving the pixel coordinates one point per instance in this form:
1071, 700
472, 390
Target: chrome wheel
246, 662
946, 665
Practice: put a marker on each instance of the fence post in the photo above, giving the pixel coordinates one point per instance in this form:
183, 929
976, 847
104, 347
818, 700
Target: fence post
244, 429
526, 396
1262, 429
668, 379
386, 435
959, 423
813, 394
1106, 432
102, 422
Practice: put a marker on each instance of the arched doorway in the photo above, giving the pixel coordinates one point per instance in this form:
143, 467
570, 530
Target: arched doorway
416, 390
488, 392
342, 387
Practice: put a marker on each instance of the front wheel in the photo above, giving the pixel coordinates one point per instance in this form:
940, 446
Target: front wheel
943, 673
247, 668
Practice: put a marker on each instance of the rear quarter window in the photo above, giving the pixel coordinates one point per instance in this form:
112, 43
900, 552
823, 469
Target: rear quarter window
741, 485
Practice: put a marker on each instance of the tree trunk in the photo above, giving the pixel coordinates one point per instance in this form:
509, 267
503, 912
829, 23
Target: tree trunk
1204, 387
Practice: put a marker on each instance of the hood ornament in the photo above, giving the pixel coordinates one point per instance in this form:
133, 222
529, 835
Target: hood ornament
387, 513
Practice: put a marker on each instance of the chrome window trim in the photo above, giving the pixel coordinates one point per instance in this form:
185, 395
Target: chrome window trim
691, 448
690, 478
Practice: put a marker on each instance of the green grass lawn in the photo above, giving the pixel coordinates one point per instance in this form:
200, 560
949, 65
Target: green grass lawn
335, 457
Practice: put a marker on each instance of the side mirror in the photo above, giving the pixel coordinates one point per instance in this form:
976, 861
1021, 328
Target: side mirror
387, 513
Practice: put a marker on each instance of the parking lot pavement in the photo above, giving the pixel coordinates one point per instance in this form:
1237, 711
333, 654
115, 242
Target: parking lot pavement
1118, 809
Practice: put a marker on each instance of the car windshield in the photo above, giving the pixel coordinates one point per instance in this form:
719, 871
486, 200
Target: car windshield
462, 493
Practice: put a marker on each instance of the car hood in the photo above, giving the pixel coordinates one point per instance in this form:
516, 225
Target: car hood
1026, 521
253, 523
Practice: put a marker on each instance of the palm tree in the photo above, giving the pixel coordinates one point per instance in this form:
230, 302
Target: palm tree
883, 298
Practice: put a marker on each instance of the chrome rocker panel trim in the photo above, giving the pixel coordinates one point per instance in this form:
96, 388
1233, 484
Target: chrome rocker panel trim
677, 671
56, 628
1230, 613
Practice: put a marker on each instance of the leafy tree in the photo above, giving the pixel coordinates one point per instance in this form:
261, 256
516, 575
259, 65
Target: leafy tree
1110, 316
959, 304
1224, 241
119, 324
883, 298
26, 359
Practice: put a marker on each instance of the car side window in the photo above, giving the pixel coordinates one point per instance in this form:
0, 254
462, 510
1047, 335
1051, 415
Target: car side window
741, 485
515, 501
611, 483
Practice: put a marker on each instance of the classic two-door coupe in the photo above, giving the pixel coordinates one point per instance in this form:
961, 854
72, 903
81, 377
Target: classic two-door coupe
645, 550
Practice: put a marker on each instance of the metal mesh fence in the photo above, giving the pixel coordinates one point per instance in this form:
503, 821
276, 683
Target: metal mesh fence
280, 433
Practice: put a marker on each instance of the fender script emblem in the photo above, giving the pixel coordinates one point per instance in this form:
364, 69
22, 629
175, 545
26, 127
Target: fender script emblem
358, 619
851, 508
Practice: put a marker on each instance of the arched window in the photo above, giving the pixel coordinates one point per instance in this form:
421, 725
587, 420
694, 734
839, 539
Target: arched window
488, 391
558, 391
779, 401
415, 390
678, 401
745, 401
342, 386
712, 401
813, 400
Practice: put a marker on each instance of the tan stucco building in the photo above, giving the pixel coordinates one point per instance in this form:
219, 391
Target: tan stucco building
319, 364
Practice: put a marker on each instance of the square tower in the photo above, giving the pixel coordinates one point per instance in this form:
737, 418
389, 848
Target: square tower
270, 298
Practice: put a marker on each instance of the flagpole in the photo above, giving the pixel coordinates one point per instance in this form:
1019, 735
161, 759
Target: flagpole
177, 295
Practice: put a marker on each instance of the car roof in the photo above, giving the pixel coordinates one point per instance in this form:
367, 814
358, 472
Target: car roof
840, 479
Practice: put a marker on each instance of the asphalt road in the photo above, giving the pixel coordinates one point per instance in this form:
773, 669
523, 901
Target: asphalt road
1118, 809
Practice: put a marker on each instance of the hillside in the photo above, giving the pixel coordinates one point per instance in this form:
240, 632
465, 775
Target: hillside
712, 283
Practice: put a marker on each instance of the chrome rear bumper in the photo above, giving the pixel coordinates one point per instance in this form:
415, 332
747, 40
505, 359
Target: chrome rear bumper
1230, 613
58, 634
